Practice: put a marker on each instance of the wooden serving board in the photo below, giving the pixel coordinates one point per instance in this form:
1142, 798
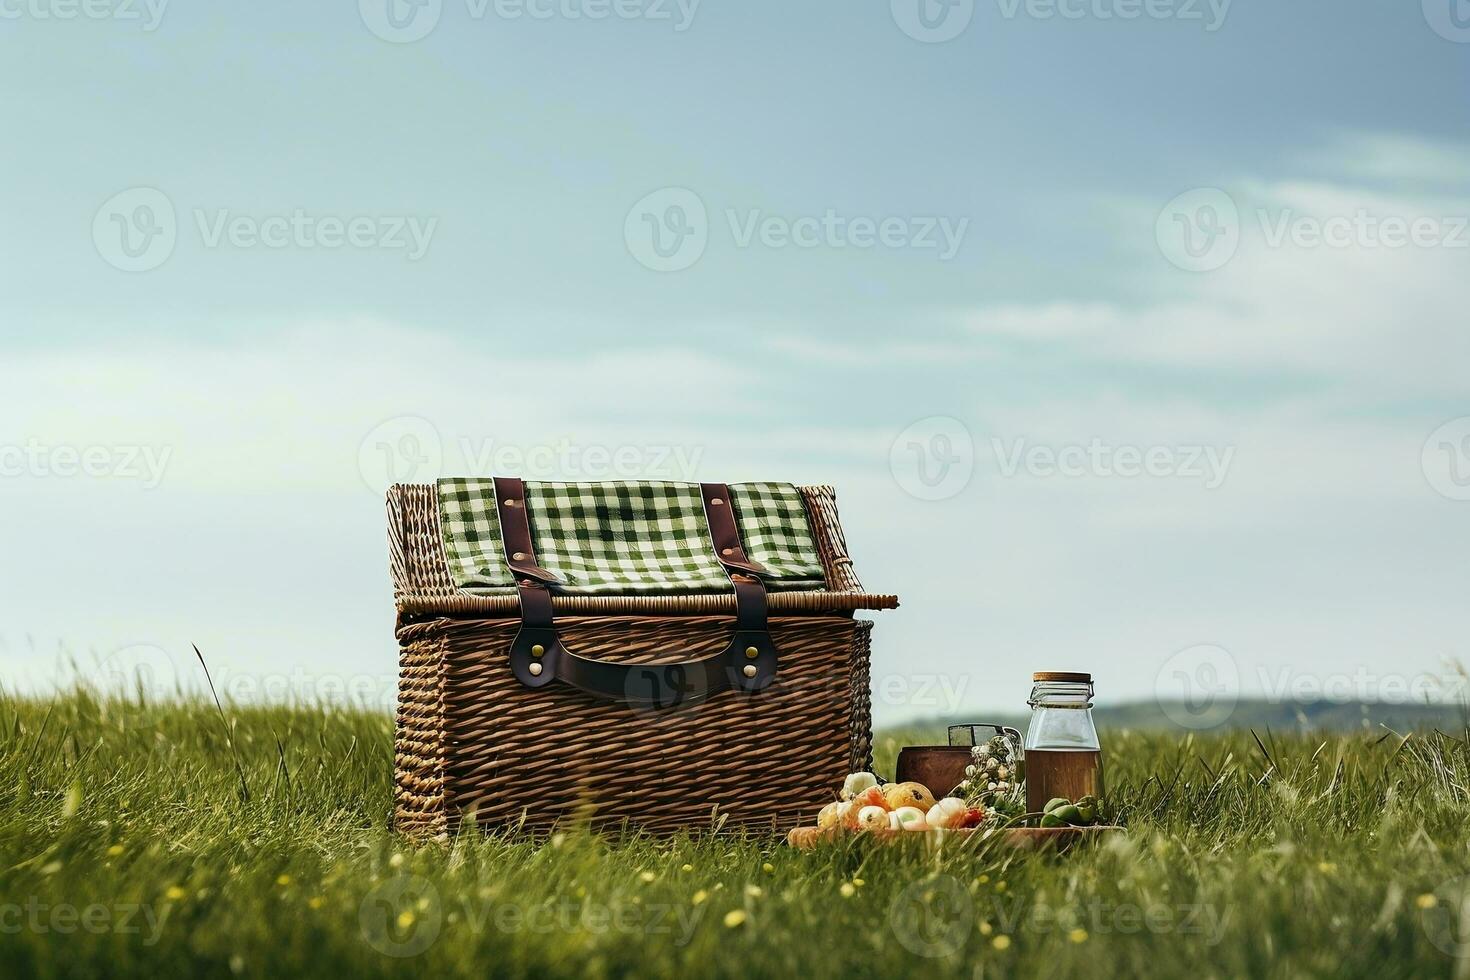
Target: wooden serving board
1024, 838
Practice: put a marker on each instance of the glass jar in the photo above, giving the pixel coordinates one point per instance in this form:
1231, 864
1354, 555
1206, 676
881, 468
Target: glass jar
1062, 754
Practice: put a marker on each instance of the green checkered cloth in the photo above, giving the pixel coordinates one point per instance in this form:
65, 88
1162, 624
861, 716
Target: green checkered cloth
628, 538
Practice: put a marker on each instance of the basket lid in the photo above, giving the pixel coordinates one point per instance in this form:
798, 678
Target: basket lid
611, 547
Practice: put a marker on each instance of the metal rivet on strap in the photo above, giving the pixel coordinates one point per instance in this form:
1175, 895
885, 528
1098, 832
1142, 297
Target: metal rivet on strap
751, 653
749, 669
727, 551
537, 650
535, 670
519, 556
511, 502
716, 502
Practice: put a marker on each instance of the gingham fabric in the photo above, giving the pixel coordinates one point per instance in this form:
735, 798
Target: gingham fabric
628, 538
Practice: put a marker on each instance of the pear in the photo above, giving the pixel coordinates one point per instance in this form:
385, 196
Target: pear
1069, 814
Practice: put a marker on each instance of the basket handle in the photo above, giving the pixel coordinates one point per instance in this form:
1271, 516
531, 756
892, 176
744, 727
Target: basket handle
537, 656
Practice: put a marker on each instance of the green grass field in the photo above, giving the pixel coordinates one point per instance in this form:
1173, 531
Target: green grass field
127, 850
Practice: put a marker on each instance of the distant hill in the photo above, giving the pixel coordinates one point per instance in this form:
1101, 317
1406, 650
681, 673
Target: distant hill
1324, 716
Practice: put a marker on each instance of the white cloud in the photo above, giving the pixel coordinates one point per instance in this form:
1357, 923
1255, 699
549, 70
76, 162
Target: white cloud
1391, 156
1045, 322
865, 352
293, 411
1388, 320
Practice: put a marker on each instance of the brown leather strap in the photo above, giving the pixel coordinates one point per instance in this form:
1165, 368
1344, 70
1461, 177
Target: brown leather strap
515, 530
666, 685
520, 553
536, 641
750, 592
537, 657
726, 534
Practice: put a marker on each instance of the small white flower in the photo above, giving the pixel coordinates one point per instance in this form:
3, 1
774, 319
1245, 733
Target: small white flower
1002, 772
992, 765
970, 771
992, 786
982, 751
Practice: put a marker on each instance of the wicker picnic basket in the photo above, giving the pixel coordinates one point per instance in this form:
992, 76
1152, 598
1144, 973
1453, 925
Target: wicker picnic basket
539, 703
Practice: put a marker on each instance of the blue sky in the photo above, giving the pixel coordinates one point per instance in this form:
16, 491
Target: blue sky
257, 358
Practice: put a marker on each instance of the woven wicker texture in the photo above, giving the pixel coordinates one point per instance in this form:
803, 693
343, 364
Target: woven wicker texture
534, 759
470, 738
